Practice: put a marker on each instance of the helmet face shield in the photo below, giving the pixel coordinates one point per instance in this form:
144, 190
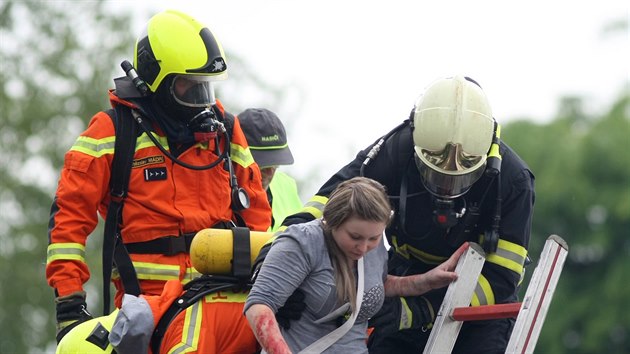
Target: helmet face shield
441, 180
451, 158
193, 90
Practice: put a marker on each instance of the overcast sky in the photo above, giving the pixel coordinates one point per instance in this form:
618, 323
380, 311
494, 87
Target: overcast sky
362, 64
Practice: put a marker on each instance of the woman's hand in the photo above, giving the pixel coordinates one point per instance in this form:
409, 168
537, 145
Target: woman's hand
438, 277
444, 274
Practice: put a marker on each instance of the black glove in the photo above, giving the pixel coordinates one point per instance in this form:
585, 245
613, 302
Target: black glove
400, 313
71, 311
292, 309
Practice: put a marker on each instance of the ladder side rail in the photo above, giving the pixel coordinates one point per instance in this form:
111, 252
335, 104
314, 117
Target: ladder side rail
538, 296
459, 293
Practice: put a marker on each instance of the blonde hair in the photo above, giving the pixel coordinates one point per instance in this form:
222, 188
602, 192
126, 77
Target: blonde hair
359, 197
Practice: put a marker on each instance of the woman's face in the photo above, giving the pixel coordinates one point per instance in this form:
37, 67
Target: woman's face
356, 237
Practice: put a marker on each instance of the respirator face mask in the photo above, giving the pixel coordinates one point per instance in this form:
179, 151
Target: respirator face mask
194, 97
193, 91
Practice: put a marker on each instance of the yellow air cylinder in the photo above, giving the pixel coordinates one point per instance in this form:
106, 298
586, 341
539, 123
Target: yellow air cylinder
211, 250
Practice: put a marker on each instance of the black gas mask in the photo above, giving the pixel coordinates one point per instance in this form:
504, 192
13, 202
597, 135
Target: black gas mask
206, 125
184, 97
188, 109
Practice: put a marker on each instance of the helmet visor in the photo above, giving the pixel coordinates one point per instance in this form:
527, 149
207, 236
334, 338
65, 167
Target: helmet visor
193, 90
448, 184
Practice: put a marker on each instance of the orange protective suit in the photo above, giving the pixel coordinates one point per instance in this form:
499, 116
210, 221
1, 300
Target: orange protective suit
214, 324
164, 199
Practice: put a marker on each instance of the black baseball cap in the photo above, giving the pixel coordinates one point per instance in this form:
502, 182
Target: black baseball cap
266, 137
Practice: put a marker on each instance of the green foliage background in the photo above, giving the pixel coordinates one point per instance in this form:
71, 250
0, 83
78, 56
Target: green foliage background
55, 71
55, 68
582, 168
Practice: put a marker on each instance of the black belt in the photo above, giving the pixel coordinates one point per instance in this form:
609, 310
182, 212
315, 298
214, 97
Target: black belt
167, 245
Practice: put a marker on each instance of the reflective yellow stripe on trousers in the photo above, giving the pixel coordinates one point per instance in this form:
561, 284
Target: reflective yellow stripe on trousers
190, 332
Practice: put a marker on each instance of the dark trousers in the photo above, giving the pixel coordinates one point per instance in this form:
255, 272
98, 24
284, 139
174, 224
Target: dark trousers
475, 337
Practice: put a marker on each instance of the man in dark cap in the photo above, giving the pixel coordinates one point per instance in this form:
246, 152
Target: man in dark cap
267, 141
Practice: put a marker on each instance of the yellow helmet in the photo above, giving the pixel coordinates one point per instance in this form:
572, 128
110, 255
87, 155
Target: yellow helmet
176, 44
89, 337
453, 131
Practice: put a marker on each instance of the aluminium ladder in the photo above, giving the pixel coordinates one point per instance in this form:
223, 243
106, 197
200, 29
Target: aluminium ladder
530, 314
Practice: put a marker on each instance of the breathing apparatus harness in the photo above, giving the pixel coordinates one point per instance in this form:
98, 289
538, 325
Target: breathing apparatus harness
115, 252
237, 280
448, 212
207, 121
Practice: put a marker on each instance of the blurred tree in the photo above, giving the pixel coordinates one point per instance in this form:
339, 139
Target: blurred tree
583, 194
58, 60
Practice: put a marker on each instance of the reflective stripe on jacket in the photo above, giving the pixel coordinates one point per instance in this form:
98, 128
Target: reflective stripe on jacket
164, 199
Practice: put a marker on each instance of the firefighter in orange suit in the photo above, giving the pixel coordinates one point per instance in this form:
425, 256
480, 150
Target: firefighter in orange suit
191, 169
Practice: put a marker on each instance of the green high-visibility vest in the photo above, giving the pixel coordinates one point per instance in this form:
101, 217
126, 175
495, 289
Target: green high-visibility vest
285, 199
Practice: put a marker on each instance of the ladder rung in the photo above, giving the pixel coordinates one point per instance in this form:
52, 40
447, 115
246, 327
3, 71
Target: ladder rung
486, 312
530, 313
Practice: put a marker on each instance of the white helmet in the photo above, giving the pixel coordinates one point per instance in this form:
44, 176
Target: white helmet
453, 131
